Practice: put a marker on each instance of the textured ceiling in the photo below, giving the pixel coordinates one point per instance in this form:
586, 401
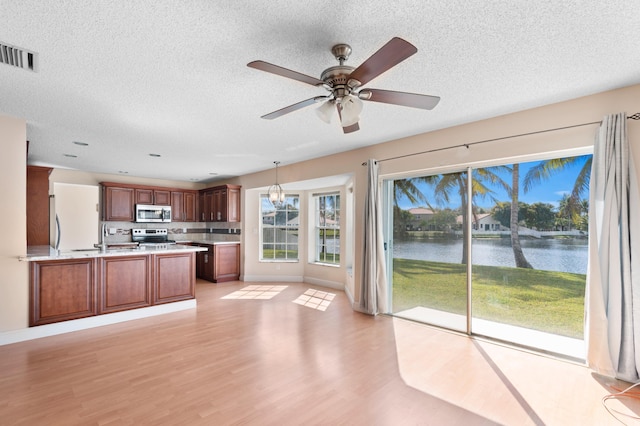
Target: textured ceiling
130, 78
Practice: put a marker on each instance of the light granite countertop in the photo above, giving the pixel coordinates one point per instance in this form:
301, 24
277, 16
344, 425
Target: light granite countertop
38, 253
209, 242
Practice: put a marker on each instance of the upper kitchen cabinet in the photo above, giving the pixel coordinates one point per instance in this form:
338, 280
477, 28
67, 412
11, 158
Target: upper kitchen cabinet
158, 197
183, 206
221, 204
190, 203
38, 205
119, 200
118, 203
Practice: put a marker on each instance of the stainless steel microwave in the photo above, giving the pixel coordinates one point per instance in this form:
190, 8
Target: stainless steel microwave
148, 213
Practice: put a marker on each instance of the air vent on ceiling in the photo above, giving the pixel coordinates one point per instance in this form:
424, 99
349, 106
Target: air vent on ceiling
18, 57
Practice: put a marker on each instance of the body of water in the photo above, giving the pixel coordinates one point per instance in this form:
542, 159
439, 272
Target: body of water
549, 254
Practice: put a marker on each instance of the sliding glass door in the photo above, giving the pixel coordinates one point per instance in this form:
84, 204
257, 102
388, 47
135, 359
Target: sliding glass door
526, 228
430, 251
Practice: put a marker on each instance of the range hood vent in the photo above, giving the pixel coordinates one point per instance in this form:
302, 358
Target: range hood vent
18, 57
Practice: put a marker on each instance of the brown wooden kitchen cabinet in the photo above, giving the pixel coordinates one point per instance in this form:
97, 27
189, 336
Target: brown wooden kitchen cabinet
226, 262
62, 290
69, 289
190, 206
125, 283
118, 203
38, 205
221, 204
177, 206
221, 262
174, 277
158, 197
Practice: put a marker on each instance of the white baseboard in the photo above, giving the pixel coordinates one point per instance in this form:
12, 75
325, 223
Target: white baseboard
47, 330
325, 283
273, 278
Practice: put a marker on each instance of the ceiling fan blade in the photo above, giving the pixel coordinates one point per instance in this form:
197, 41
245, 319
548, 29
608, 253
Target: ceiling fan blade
347, 129
351, 129
399, 98
294, 107
284, 72
389, 55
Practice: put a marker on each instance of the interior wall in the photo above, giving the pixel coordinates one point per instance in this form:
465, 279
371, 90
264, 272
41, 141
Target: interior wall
565, 114
86, 178
14, 276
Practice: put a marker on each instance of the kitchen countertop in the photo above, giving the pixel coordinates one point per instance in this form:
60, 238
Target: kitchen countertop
209, 242
37, 253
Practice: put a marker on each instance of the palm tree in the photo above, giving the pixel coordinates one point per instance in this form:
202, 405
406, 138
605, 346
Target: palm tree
456, 183
545, 169
518, 255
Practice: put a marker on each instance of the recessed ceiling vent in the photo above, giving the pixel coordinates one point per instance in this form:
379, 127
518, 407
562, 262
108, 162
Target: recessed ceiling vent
18, 57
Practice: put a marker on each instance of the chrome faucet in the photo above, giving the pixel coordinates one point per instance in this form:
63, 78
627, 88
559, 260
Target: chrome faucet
103, 234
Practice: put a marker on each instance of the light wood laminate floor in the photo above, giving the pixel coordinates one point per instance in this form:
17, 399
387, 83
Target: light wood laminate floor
271, 361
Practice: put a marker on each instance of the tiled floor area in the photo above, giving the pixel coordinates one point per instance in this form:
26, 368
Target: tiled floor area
256, 292
315, 299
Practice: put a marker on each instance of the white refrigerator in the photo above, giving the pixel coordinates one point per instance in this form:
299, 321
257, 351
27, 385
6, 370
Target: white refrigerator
74, 217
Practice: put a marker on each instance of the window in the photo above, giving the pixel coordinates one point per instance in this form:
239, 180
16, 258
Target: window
279, 229
327, 228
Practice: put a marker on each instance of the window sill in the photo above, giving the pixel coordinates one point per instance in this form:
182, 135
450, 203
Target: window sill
331, 265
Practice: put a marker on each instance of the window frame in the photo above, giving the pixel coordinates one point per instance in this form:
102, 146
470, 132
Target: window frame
286, 228
317, 228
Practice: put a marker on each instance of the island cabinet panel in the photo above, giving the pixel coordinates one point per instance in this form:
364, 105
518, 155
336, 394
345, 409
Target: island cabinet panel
174, 277
118, 204
125, 283
226, 262
62, 290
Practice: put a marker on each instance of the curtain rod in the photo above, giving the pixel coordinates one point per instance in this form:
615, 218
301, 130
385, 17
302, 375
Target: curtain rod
635, 116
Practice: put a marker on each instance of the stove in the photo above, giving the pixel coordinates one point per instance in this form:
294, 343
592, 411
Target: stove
151, 237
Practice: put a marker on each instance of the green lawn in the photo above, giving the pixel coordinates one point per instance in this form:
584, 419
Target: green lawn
542, 300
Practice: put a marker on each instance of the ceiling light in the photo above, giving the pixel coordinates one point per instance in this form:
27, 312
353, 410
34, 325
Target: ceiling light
276, 194
155, 155
80, 143
213, 174
326, 111
351, 109
70, 155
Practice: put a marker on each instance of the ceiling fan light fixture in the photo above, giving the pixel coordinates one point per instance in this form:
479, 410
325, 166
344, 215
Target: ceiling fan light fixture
351, 109
325, 111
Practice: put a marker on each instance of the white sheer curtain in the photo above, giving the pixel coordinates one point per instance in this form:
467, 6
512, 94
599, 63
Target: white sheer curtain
373, 288
612, 320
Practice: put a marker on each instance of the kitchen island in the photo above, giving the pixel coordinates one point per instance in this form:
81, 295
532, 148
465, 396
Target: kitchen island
78, 284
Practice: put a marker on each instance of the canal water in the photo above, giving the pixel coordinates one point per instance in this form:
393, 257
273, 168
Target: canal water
550, 254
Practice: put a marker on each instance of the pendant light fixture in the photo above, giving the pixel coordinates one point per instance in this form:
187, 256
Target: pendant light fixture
276, 194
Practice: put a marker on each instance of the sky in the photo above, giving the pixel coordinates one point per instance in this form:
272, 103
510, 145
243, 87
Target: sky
549, 191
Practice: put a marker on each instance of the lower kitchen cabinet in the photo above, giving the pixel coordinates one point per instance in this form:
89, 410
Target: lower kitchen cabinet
226, 262
68, 289
125, 283
221, 262
62, 290
174, 277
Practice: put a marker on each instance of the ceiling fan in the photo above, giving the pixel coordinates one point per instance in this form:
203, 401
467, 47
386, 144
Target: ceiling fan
344, 84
